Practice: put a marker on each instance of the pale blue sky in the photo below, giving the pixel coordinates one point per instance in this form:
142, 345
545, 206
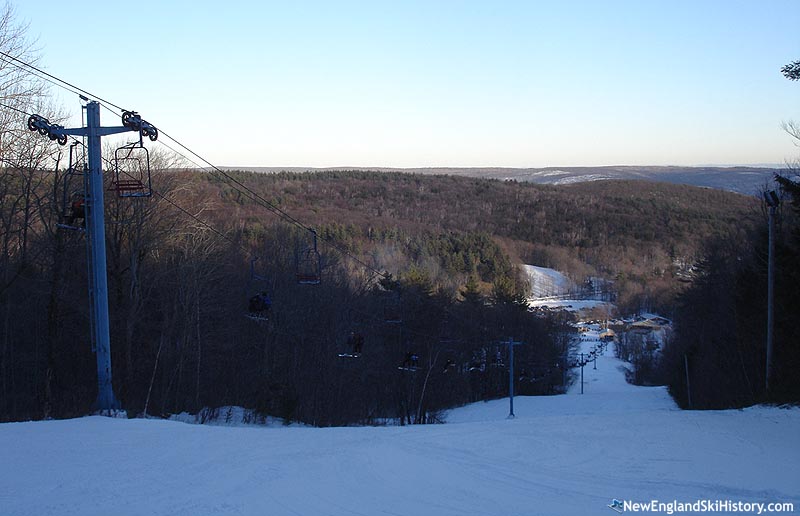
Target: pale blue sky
415, 83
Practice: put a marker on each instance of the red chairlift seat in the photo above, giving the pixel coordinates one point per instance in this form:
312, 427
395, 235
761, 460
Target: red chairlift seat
132, 171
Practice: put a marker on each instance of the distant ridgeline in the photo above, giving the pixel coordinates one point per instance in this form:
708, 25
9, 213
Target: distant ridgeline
748, 180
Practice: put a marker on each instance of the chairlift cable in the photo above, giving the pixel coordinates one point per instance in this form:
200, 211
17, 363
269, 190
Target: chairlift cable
276, 210
184, 211
15, 109
60, 82
247, 191
253, 195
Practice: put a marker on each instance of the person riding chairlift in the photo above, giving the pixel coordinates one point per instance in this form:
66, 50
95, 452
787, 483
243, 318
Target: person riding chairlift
411, 361
259, 304
356, 342
77, 210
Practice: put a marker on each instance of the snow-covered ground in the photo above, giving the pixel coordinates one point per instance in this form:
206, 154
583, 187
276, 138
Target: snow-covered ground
561, 455
571, 305
547, 282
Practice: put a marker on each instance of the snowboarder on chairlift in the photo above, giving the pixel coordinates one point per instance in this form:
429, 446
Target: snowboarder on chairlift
259, 304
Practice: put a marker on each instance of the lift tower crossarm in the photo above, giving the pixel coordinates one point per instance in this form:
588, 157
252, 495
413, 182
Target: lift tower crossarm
95, 229
101, 131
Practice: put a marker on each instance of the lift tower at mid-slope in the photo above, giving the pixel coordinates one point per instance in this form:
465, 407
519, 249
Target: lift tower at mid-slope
95, 228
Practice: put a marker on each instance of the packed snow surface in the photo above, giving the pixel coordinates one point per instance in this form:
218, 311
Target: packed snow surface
561, 455
547, 282
571, 305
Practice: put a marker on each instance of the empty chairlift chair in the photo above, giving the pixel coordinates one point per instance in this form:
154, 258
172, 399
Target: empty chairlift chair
309, 264
132, 171
132, 161
393, 308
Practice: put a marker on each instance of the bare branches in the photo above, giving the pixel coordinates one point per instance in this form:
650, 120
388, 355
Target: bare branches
18, 87
792, 71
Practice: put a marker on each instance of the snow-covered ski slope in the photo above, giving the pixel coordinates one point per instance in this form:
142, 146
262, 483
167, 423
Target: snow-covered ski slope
546, 282
562, 455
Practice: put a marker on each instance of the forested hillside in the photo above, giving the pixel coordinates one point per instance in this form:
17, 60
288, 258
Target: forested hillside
642, 234
720, 345
414, 264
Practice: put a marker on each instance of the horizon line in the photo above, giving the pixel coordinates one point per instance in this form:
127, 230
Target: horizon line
494, 167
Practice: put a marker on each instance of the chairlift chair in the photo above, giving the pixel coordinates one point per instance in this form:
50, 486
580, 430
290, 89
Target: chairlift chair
478, 361
448, 365
259, 303
308, 268
497, 360
410, 362
355, 344
73, 202
132, 171
392, 308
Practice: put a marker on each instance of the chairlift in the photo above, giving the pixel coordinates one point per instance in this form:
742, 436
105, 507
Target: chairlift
535, 373
410, 362
448, 365
259, 303
451, 356
132, 161
478, 361
393, 308
355, 344
497, 359
73, 202
309, 264
132, 171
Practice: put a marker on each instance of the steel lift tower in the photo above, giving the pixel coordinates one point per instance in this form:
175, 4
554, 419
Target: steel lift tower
95, 229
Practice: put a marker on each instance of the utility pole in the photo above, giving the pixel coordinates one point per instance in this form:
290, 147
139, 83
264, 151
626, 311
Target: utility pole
95, 229
511, 343
773, 201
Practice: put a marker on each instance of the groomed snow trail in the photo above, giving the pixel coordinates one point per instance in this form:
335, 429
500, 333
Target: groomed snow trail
562, 455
